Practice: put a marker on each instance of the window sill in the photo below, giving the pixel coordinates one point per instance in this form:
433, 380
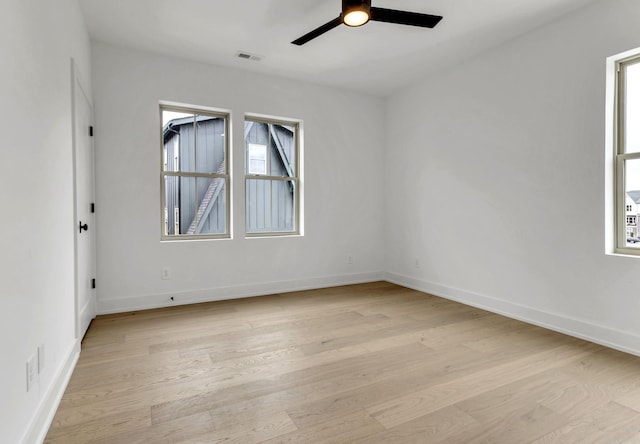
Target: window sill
194, 239
271, 235
625, 253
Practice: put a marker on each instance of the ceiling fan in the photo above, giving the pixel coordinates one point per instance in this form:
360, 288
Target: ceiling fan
358, 12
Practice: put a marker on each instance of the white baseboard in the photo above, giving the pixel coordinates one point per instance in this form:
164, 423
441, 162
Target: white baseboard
599, 334
146, 302
46, 410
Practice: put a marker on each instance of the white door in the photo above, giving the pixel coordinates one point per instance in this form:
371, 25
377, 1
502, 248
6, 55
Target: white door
84, 209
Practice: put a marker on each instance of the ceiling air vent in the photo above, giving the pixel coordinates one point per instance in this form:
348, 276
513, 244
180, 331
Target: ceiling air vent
248, 56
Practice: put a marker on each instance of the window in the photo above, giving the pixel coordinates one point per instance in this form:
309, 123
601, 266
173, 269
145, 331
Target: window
195, 173
627, 150
272, 180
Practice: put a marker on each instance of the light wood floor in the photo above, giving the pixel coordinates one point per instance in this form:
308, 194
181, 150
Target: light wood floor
372, 363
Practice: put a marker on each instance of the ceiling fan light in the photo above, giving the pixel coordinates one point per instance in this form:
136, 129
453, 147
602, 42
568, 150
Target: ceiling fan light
356, 12
356, 18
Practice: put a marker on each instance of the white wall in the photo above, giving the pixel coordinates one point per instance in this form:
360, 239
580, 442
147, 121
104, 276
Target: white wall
497, 181
37, 40
343, 149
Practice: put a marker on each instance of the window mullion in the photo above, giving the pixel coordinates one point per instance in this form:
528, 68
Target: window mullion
628, 156
265, 177
185, 174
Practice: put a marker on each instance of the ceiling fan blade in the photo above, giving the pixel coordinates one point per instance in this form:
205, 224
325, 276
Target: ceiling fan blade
404, 17
318, 31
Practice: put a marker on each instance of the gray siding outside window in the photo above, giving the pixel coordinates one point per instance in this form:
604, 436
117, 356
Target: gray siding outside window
201, 200
270, 204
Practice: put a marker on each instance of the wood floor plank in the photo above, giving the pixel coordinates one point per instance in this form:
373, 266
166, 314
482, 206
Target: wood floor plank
357, 368
523, 424
457, 333
439, 368
406, 379
170, 432
370, 363
632, 439
251, 336
612, 423
530, 337
515, 410
98, 428
310, 390
495, 404
408, 407
96, 400
126, 373
231, 346
250, 432
577, 400
435, 427
345, 429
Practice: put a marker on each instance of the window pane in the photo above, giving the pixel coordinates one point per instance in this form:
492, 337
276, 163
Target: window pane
279, 140
632, 202
195, 206
210, 216
173, 213
190, 148
282, 152
632, 111
174, 139
173, 116
210, 144
270, 206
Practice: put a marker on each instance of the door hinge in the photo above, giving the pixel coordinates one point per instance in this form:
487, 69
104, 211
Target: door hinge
93, 283
91, 131
93, 207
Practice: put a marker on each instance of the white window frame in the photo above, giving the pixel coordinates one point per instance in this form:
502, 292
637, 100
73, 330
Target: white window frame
296, 178
618, 64
164, 173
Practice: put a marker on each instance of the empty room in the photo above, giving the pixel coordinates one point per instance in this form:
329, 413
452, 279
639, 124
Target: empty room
320, 221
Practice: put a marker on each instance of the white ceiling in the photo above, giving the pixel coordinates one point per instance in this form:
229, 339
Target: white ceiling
378, 58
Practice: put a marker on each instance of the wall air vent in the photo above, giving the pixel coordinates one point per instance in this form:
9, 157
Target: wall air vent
248, 56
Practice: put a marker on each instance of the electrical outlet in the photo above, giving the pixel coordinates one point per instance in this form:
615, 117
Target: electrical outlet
166, 273
32, 372
417, 263
350, 260
40, 358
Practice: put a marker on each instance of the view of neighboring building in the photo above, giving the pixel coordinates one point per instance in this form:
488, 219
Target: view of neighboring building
194, 205
632, 205
197, 205
269, 152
